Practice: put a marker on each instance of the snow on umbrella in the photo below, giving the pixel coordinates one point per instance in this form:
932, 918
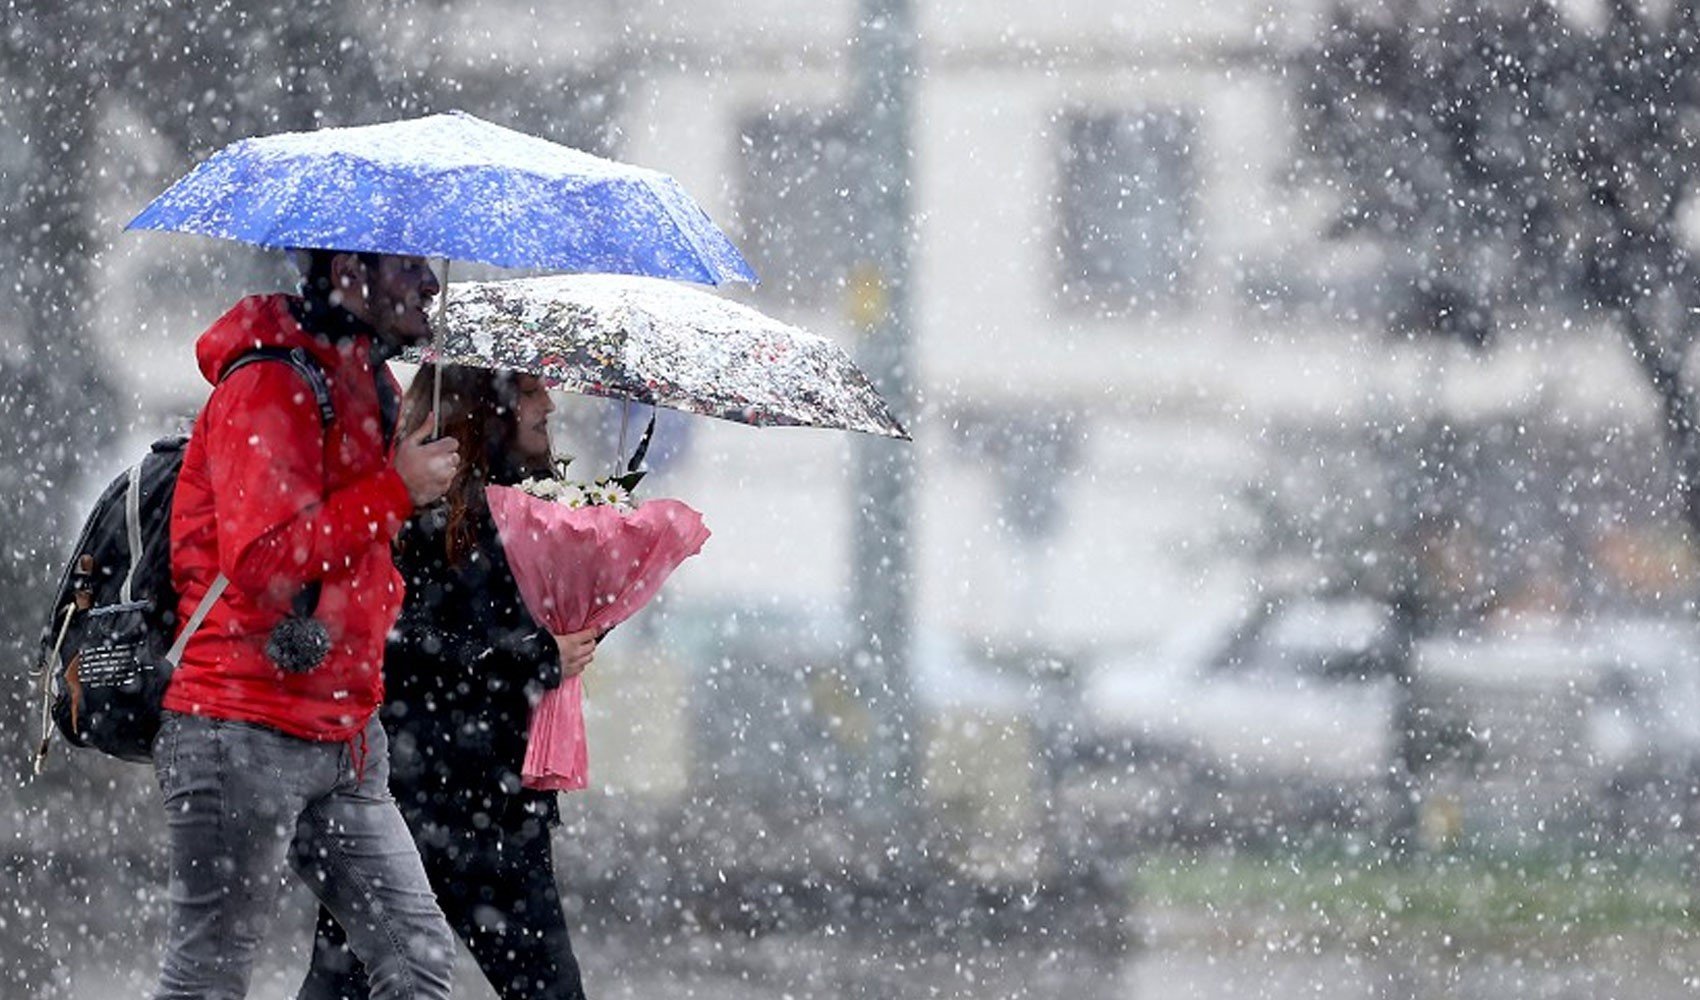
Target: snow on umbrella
660, 343
453, 186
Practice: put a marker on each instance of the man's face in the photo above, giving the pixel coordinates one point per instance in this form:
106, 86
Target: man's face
395, 298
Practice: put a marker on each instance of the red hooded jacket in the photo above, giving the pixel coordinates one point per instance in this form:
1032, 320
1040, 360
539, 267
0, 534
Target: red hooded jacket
274, 500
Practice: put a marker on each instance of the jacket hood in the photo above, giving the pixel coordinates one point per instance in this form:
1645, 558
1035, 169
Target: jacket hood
258, 321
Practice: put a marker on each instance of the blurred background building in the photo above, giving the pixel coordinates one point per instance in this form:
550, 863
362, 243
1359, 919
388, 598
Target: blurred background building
1125, 309
1150, 396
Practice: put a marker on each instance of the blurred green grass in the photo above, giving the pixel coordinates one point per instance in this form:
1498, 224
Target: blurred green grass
1476, 896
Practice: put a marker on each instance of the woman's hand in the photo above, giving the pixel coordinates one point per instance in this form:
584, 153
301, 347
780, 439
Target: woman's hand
576, 650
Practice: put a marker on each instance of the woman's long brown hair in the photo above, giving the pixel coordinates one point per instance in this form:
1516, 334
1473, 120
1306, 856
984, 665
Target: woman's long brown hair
479, 413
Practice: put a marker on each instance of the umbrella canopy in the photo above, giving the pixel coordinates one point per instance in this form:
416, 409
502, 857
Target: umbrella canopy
661, 343
454, 186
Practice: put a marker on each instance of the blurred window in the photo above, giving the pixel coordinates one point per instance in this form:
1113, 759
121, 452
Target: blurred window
1317, 628
795, 206
1331, 640
1127, 213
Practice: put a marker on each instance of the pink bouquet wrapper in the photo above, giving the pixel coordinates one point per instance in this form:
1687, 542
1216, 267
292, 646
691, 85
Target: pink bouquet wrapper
579, 568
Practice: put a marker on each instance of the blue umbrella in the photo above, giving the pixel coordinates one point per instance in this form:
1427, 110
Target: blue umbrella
451, 186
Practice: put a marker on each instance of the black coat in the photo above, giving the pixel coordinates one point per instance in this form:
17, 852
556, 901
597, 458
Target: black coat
462, 669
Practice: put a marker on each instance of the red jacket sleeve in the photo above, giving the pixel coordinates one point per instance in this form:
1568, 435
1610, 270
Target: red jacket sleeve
277, 528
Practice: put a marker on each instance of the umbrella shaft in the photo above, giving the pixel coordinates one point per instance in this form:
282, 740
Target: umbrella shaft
620, 451
437, 381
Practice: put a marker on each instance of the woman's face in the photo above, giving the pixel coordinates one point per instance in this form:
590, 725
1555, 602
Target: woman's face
531, 416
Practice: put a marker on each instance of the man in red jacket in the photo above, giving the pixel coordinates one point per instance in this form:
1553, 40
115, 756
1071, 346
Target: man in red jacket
261, 757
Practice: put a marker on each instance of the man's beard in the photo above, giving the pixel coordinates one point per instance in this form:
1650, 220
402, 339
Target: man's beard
390, 316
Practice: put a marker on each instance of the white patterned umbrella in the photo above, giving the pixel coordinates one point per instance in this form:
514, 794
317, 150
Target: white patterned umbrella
659, 342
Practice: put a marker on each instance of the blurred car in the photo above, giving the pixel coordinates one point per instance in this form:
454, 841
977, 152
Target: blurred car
1572, 727
1279, 720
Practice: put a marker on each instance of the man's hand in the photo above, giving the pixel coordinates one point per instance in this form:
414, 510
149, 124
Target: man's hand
426, 468
576, 650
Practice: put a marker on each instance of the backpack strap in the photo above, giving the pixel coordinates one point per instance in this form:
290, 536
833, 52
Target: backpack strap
132, 528
46, 675
308, 367
298, 359
201, 611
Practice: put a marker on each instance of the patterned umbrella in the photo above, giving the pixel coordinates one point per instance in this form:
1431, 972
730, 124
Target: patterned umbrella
659, 342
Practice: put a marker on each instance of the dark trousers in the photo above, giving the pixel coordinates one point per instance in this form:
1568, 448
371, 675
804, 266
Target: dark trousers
497, 887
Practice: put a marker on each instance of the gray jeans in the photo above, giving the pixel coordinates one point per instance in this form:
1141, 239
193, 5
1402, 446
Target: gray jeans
239, 798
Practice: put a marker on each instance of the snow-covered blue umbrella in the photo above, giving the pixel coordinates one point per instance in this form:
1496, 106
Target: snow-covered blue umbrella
452, 186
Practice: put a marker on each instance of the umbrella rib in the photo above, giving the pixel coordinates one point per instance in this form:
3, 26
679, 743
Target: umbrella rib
710, 259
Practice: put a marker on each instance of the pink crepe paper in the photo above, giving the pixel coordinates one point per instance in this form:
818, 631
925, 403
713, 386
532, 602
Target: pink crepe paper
579, 568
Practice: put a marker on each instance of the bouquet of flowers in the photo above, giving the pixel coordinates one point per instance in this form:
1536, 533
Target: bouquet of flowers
585, 555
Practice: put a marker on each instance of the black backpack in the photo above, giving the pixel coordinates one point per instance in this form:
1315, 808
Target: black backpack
104, 655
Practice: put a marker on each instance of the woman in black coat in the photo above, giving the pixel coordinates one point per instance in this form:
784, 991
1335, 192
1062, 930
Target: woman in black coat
463, 666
